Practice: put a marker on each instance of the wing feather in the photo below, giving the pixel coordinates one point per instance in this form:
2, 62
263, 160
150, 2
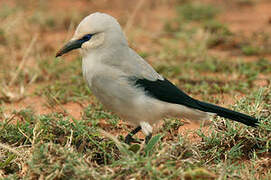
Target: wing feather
164, 90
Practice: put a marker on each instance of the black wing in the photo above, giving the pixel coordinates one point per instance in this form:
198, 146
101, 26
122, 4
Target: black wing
164, 90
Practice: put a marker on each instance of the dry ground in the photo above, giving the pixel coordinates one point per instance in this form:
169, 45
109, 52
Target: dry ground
214, 50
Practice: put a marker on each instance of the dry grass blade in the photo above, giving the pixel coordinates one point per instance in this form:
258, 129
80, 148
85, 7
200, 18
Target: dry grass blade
132, 17
111, 137
120, 145
10, 149
9, 96
22, 63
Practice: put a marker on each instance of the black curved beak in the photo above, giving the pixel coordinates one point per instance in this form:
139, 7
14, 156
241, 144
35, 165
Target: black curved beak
70, 46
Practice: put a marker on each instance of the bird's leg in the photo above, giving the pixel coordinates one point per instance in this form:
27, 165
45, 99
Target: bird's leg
147, 130
129, 138
147, 138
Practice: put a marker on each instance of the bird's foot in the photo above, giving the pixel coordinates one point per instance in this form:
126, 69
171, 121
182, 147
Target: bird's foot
129, 139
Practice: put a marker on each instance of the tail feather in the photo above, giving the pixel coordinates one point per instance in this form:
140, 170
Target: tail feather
164, 90
227, 113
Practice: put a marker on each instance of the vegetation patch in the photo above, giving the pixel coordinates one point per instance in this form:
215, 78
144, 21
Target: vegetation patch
42, 138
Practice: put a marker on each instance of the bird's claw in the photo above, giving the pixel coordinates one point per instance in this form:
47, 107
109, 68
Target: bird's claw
129, 139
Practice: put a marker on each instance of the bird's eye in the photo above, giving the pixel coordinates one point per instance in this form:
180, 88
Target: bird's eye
87, 37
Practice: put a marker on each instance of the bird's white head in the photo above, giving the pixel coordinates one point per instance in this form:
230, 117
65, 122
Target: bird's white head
95, 31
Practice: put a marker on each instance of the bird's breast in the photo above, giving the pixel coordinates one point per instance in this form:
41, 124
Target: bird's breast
89, 69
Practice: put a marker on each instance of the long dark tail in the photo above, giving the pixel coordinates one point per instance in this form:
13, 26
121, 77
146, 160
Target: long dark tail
164, 90
227, 113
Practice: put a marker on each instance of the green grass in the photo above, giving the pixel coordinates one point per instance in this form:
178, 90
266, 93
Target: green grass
196, 11
246, 73
65, 88
59, 147
55, 144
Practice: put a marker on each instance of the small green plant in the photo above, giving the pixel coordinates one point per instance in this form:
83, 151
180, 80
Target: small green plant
250, 50
196, 11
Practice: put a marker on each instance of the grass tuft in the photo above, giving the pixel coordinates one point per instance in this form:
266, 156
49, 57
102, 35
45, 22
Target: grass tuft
52, 128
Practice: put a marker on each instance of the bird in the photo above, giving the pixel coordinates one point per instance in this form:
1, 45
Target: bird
129, 86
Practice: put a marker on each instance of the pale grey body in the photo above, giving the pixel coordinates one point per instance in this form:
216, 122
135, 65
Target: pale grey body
108, 63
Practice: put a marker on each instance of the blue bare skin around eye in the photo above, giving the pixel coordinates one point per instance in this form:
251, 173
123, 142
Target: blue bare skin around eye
87, 37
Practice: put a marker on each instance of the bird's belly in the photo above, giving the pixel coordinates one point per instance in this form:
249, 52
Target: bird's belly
127, 102
107, 99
